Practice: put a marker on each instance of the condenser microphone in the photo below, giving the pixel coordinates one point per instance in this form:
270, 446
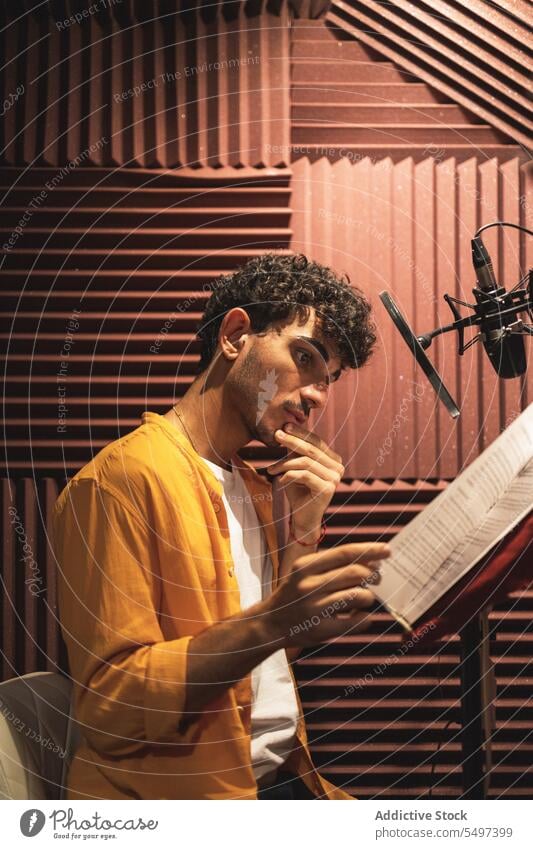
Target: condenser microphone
483, 266
500, 327
495, 313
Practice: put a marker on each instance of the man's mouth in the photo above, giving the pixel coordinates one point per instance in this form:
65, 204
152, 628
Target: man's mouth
295, 416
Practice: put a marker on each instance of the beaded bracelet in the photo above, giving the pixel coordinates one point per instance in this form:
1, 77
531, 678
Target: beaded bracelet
307, 544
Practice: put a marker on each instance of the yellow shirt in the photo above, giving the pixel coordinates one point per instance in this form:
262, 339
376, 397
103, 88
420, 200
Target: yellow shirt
144, 563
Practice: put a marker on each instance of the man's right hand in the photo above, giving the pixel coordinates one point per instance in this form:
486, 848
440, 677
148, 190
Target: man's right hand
302, 611
310, 604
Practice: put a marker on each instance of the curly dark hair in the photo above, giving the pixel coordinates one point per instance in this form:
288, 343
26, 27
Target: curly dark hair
273, 287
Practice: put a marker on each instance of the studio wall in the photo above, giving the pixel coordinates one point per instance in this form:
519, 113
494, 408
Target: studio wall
130, 184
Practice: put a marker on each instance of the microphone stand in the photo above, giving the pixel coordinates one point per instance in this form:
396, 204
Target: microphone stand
476, 672
493, 303
478, 693
522, 302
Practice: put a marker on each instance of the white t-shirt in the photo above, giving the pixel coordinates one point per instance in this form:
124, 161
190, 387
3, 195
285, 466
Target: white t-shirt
274, 705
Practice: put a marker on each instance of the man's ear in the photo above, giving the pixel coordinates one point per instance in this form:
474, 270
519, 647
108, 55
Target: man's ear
234, 331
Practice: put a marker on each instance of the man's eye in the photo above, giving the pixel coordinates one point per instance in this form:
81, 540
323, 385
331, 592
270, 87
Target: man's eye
304, 357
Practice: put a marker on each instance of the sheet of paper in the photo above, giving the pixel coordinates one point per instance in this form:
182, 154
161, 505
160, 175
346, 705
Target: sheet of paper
461, 525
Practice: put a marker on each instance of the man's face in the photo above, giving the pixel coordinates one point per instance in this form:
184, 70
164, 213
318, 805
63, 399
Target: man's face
282, 375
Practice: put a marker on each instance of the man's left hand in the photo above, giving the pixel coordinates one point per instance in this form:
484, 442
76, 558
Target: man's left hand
309, 475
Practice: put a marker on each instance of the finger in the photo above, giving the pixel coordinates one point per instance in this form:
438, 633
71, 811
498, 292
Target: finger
298, 461
342, 555
304, 463
315, 484
305, 442
301, 461
345, 602
347, 577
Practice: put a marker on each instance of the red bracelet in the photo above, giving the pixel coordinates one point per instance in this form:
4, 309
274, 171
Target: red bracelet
307, 544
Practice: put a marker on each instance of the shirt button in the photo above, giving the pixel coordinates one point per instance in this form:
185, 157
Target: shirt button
240, 708
216, 506
230, 572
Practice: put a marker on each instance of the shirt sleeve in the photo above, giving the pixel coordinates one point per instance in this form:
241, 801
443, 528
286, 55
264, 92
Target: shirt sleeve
129, 681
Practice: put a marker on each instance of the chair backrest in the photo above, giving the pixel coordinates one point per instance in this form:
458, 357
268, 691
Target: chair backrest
37, 736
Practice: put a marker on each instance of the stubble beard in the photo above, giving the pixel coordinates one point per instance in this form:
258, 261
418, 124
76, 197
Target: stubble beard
244, 389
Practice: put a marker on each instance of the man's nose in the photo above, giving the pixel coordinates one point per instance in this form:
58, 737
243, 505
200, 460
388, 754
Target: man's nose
314, 395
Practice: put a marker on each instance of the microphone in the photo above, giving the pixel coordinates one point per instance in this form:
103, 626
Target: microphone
483, 266
501, 329
495, 312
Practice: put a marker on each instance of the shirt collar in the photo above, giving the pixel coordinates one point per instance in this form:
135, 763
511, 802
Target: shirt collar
259, 488
256, 484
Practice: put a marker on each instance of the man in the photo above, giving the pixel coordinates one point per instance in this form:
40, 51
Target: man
176, 606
